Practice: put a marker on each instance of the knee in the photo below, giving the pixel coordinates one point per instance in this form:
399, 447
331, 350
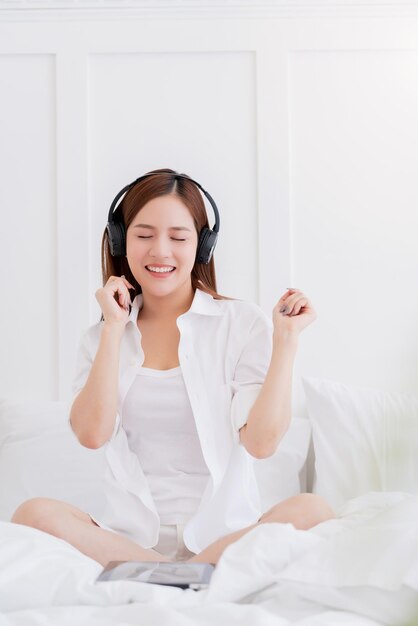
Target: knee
316, 508
32, 512
304, 511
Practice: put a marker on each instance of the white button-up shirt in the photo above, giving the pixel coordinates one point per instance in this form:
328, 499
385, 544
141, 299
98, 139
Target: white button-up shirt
224, 353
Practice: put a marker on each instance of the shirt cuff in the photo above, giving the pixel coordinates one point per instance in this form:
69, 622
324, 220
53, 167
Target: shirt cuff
242, 403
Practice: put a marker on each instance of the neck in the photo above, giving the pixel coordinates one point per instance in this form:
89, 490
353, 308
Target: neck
169, 307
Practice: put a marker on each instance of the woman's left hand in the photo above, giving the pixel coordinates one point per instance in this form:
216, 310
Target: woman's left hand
292, 313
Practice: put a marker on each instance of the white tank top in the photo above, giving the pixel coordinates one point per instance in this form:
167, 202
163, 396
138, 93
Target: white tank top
161, 430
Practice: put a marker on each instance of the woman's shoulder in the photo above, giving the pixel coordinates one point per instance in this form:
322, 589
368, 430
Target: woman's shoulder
253, 316
244, 310
245, 307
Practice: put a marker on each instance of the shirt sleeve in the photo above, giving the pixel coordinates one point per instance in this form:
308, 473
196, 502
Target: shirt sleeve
251, 371
84, 361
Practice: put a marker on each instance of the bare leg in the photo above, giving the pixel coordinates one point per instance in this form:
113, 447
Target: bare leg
77, 528
303, 511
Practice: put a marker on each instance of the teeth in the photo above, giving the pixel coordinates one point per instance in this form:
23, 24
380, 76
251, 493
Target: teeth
160, 269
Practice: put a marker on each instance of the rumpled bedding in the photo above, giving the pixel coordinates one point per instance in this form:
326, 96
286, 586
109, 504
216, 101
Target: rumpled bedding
360, 568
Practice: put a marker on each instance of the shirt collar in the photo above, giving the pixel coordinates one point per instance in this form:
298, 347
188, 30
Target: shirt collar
203, 304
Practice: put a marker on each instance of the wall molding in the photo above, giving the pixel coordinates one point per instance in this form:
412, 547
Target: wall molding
250, 9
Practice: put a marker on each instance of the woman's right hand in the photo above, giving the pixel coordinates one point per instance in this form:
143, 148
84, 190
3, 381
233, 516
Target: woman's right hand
115, 311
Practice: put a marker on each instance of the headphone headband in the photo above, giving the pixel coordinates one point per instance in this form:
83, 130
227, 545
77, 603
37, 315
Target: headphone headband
116, 229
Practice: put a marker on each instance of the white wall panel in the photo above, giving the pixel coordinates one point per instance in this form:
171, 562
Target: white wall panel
193, 112
354, 147
28, 314
303, 128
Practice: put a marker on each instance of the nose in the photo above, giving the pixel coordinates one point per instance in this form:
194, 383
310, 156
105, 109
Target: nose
160, 247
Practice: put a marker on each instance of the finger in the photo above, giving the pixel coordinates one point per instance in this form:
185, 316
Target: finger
118, 286
118, 279
295, 297
119, 291
289, 297
113, 281
127, 281
121, 296
290, 291
293, 302
298, 306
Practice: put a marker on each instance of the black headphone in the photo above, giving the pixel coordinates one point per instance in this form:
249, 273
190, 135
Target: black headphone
116, 229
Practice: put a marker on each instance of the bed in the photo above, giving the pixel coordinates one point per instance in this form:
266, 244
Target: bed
356, 446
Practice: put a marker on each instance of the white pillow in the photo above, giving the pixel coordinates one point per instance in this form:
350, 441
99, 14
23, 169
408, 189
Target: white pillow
364, 440
41, 456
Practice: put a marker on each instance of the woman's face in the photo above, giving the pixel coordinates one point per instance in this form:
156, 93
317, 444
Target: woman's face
162, 236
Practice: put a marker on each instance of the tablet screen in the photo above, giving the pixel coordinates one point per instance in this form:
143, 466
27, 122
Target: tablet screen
179, 574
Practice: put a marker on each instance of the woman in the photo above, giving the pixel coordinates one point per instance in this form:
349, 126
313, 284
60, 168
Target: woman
183, 386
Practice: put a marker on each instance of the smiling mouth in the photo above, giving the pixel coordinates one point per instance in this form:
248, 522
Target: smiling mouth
159, 270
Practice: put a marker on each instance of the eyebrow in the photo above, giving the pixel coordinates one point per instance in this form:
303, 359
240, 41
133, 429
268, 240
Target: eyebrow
170, 227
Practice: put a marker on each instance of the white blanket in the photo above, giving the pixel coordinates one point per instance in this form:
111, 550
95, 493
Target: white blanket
360, 569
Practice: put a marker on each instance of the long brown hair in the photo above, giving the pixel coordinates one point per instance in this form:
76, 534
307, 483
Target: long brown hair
163, 182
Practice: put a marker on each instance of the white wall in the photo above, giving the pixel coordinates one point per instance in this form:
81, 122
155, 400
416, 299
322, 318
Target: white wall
300, 121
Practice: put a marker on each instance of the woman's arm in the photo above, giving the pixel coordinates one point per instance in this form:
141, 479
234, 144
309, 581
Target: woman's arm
94, 410
270, 415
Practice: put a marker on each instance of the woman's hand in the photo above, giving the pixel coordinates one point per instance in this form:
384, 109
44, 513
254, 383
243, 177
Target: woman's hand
115, 310
292, 313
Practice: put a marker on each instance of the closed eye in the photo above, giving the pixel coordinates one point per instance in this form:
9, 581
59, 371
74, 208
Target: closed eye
149, 237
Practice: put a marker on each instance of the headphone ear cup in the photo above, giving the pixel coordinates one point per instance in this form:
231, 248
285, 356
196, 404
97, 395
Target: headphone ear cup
206, 245
117, 238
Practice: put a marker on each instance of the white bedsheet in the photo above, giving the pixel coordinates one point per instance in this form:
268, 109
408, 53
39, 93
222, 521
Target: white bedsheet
360, 569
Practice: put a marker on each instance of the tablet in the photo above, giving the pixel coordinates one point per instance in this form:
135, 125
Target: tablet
178, 574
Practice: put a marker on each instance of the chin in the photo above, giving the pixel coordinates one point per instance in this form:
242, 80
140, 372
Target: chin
160, 290
167, 289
